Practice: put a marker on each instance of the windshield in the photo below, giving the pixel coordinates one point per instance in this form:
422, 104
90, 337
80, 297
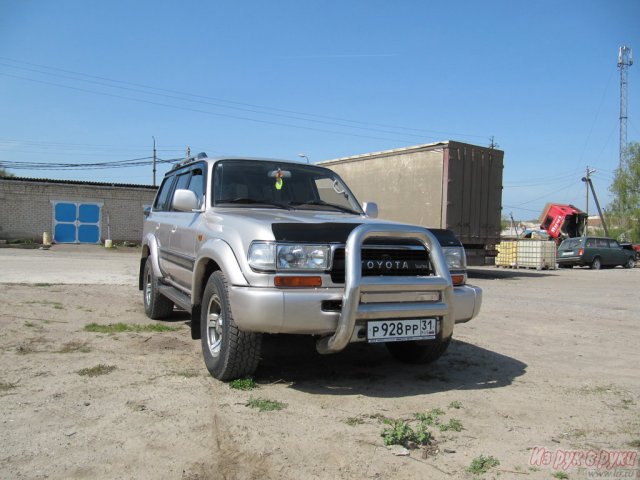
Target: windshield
270, 184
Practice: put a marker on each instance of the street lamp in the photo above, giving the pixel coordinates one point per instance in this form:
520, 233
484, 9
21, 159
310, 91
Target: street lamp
302, 155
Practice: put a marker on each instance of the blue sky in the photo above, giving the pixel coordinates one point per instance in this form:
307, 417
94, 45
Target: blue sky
87, 81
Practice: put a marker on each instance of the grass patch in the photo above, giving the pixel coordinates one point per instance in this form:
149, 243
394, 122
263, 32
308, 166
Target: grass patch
56, 305
456, 405
353, 421
561, 475
6, 386
26, 349
127, 327
453, 424
482, 464
400, 433
265, 405
432, 417
627, 402
379, 417
96, 371
74, 347
243, 384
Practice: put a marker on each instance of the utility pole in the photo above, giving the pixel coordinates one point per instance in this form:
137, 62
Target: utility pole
586, 180
589, 182
493, 143
625, 60
154, 160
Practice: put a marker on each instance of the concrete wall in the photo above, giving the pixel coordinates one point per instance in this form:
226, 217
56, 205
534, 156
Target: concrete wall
26, 209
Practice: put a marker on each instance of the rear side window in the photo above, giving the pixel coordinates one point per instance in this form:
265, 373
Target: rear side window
162, 199
571, 243
602, 243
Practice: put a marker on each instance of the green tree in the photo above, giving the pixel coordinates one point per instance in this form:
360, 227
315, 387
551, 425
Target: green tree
5, 173
624, 210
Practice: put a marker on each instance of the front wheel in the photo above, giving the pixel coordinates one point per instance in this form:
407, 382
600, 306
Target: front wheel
229, 353
631, 263
418, 352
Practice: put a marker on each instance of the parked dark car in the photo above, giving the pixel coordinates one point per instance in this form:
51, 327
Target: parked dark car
594, 252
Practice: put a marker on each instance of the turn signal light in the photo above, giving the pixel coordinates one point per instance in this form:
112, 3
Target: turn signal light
457, 280
298, 282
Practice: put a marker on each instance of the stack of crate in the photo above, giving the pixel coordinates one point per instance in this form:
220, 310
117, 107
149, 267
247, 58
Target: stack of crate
527, 253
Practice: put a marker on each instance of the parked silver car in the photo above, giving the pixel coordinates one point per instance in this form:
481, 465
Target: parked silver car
252, 246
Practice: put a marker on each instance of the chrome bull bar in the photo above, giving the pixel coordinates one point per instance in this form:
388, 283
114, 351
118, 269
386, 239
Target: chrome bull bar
356, 285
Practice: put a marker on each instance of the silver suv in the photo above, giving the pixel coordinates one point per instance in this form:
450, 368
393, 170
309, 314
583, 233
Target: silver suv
253, 246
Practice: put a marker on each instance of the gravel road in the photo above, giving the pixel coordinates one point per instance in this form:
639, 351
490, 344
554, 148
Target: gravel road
550, 365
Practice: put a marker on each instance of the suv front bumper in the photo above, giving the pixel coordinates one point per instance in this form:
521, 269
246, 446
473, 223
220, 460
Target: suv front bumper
273, 310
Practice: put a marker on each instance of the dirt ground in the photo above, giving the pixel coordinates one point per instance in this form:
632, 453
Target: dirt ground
551, 361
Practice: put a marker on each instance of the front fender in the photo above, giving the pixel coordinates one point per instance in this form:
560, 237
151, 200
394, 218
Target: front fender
221, 254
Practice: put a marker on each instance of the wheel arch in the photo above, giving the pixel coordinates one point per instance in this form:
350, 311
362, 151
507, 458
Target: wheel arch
215, 255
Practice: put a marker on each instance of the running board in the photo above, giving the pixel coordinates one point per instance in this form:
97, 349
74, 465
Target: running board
182, 300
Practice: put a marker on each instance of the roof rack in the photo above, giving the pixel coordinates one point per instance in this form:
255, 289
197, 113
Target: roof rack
191, 159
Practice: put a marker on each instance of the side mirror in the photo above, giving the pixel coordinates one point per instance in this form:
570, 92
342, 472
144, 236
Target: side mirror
185, 200
370, 209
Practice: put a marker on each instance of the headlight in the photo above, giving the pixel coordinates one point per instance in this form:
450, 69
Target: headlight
271, 256
455, 256
262, 256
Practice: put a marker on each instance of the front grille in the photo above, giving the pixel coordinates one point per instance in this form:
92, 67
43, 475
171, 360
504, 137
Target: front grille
385, 261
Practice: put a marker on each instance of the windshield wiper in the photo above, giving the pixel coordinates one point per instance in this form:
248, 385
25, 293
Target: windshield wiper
252, 201
322, 203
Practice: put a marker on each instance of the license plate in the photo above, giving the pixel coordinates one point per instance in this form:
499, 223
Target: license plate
567, 253
401, 330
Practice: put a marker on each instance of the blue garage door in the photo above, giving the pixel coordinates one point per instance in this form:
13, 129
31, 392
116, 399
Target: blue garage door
76, 222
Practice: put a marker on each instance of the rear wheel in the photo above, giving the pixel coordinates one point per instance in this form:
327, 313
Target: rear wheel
156, 305
596, 264
228, 352
418, 352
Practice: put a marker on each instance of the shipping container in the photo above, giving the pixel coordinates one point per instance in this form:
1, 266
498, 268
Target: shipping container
452, 185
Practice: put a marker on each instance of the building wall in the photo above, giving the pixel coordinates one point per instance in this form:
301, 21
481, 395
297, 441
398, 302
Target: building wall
26, 209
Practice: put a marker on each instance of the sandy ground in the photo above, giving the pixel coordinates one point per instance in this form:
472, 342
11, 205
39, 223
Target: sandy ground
551, 361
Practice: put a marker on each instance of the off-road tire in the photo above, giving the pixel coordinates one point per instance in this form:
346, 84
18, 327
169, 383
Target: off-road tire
156, 305
229, 353
596, 264
418, 352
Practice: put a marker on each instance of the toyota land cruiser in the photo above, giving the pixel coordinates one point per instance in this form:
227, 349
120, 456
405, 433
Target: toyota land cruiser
253, 246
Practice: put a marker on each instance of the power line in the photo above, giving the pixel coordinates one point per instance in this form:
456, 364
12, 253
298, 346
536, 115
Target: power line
231, 104
206, 112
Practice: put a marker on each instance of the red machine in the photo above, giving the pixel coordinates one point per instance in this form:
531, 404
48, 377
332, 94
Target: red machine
563, 221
